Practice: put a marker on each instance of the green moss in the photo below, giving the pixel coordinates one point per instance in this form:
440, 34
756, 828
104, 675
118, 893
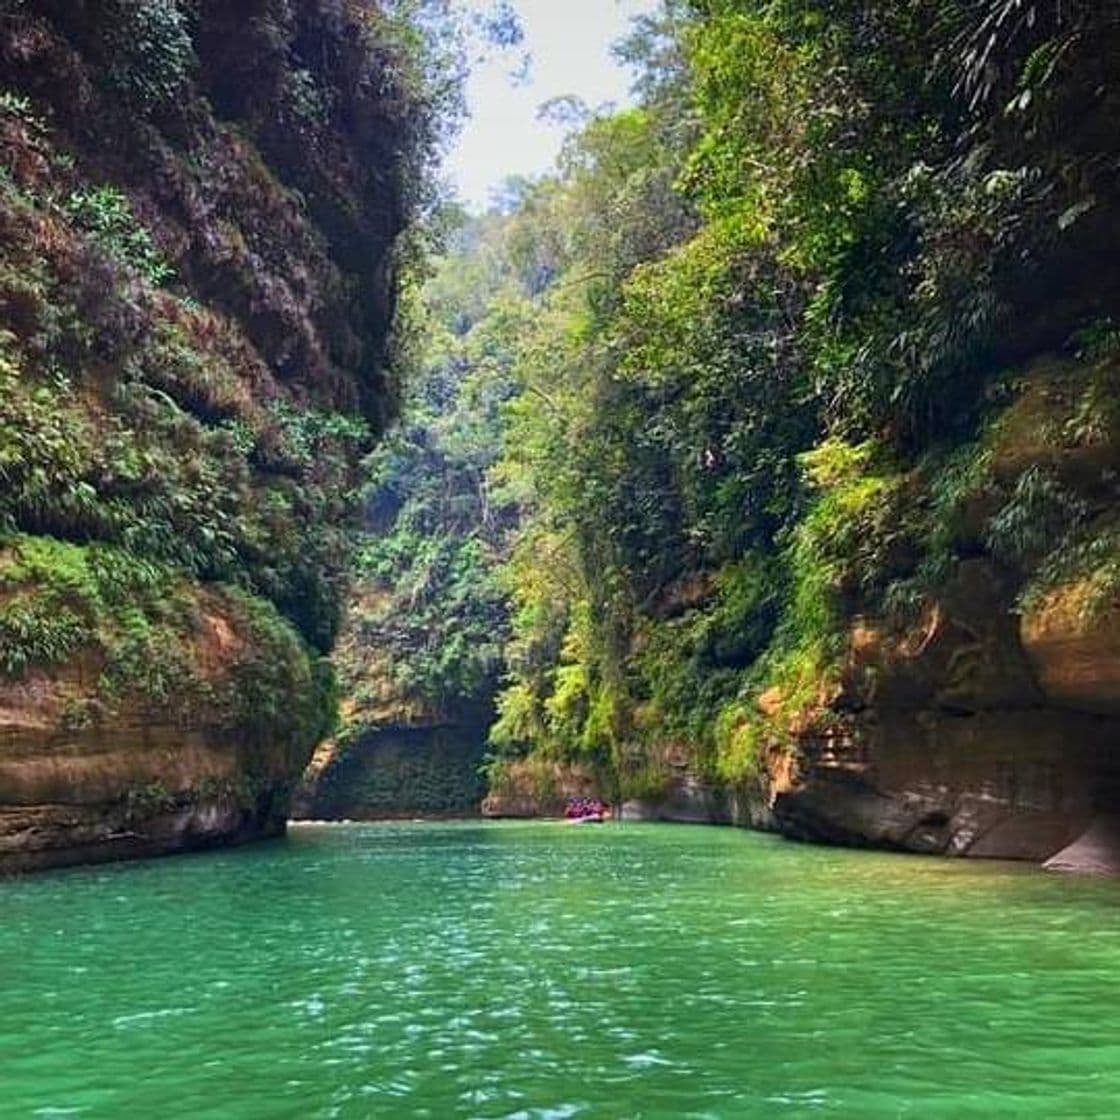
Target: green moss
280, 690
643, 779
63, 598
838, 555
50, 603
143, 621
739, 734
388, 774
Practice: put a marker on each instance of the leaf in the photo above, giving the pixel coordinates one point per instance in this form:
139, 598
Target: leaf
1072, 213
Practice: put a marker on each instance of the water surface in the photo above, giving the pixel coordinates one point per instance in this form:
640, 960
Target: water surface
539, 970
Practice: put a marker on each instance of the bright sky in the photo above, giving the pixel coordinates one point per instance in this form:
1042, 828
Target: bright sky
569, 41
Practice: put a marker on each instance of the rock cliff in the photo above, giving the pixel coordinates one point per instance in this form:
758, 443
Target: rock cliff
982, 719
200, 204
397, 754
987, 724
426, 770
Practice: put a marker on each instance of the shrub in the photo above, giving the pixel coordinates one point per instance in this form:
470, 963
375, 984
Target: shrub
149, 48
106, 215
1039, 514
38, 634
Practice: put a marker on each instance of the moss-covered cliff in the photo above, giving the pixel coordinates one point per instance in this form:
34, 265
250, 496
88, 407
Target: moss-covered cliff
201, 206
398, 751
810, 369
963, 696
975, 709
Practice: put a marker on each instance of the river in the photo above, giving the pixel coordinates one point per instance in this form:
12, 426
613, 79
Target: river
540, 970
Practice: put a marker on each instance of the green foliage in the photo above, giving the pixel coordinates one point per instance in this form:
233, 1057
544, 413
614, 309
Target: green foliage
428, 615
309, 103
281, 692
843, 544
755, 398
1089, 561
38, 634
105, 214
43, 445
13, 105
169, 472
536, 775
144, 626
726, 380
840, 557
150, 52
196, 348
309, 434
739, 736
689, 668
1039, 512
1098, 341
57, 598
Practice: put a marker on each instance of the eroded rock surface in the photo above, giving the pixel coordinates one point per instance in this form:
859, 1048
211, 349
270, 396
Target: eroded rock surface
1096, 850
87, 778
945, 740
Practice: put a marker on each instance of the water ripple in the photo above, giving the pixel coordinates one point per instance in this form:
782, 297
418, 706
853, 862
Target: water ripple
537, 971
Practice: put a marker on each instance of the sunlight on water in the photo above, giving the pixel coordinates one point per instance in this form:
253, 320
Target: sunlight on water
534, 970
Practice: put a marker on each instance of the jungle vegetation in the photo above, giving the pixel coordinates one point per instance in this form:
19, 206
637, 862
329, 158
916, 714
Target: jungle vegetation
736, 373
743, 369
203, 222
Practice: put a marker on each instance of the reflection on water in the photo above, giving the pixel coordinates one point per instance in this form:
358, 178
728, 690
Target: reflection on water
536, 970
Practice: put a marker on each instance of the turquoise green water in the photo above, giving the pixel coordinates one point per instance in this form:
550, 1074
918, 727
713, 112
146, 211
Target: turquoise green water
538, 970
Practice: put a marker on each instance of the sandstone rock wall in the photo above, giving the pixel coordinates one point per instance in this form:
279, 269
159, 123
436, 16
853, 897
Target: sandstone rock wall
533, 787
86, 776
973, 734
130, 792
199, 208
